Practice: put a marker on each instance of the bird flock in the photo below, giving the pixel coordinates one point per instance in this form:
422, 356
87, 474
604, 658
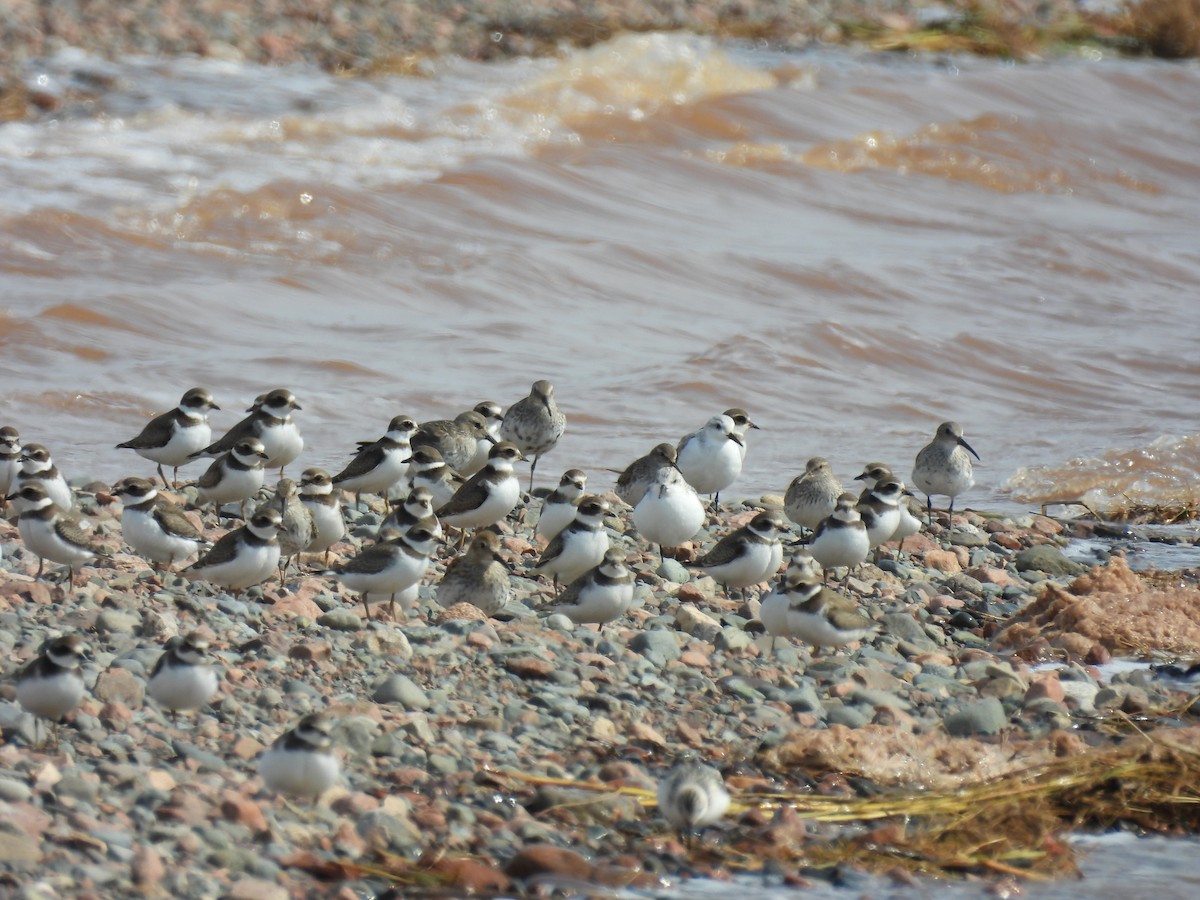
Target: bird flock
447, 481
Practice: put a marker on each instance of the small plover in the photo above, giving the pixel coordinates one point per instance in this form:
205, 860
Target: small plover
244, 557
428, 470
36, 465
379, 465
477, 577
841, 538
47, 531
669, 513
325, 507
711, 458
51, 685
558, 509
748, 555
416, 508
642, 472
10, 459
455, 439
880, 510
487, 496
182, 678
397, 563
600, 595
909, 524
801, 607
692, 795
153, 526
171, 438
943, 467
741, 424
534, 424
301, 762
233, 477
270, 421
813, 495
579, 546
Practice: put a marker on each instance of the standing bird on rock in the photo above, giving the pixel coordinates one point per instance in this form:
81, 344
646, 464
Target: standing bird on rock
397, 563
643, 471
841, 538
325, 507
51, 685
601, 594
171, 438
244, 557
741, 424
381, 464
692, 795
872, 474
233, 477
182, 677
802, 607
558, 509
297, 528
301, 762
749, 555
457, 439
153, 526
711, 458
429, 472
47, 531
477, 577
669, 513
943, 466
534, 424
812, 496
37, 466
493, 415
489, 495
10, 459
579, 546
270, 421
416, 508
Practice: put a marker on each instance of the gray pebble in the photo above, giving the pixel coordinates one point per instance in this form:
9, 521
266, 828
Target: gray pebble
402, 690
984, 716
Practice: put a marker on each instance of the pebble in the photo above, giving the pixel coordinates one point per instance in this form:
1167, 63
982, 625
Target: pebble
400, 689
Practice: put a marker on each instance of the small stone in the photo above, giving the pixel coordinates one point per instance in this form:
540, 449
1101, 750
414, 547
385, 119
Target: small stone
18, 848
256, 889
402, 690
985, 716
117, 622
340, 620
657, 645
530, 667
1046, 558
146, 869
673, 570
312, 651
690, 620
120, 685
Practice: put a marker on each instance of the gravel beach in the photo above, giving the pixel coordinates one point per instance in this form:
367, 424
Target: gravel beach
461, 736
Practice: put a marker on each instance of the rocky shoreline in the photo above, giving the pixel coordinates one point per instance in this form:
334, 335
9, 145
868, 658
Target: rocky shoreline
365, 37
463, 738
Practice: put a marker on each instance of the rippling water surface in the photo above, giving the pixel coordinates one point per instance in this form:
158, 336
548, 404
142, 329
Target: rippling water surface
853, 247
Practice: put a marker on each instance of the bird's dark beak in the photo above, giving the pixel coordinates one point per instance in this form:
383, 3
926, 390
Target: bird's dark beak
490, 438
968, 448
297, 406
737, 439
755, 427
213, 406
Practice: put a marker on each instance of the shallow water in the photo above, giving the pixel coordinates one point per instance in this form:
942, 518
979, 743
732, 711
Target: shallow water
853, 247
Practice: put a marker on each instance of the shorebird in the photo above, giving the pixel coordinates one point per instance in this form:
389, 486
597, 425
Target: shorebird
489, 495
558, 509
244, 557
47, 531
841, 538
669, 513
748, 555
381, 464
233, 477
457, 439
579, 546
182, 677
813, 495
171, 438
301, 762
270, 421
802, 607
37, 466
642, 472
153, 526
534, 424
325, 507
692, 795
601, 594
477, 577
51, 685
711, 458
397, 563
872, 474
944, 467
